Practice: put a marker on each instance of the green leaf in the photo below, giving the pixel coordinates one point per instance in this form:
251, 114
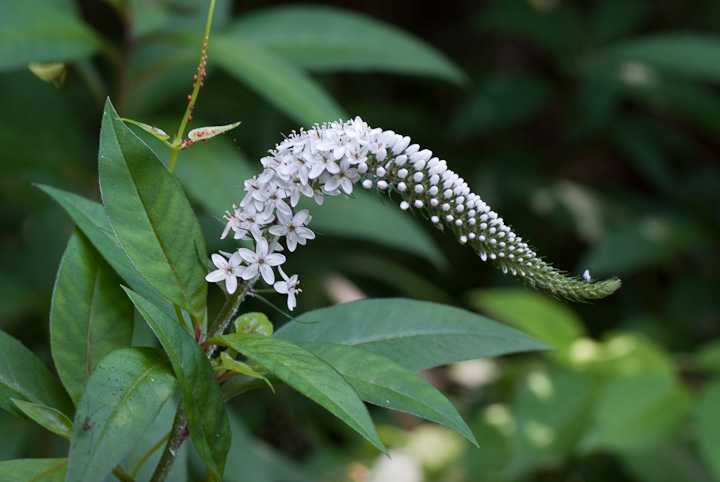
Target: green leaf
659, 405
122, 397
364, 217
90, 218
549, 320
310, 375
327, 39
382, 382
707, 421
257, 323
50, 418
204, 408
151, 217
628, 354
159, 133
243, 368
675, 460
33, 470
24, 377
90, 315
283, 85
692, 55
551, 409
32, 32
208, 132
707, 358
414, 334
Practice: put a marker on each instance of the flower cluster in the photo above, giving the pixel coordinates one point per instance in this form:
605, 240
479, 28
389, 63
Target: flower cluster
329, 160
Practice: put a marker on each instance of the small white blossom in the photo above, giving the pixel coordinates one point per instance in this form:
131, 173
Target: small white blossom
288, 287
260, 261
293, 228
228, 270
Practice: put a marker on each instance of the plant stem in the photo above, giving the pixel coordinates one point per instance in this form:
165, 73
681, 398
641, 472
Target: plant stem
178, 435
120, 474
135, 471
228, 311
177, 142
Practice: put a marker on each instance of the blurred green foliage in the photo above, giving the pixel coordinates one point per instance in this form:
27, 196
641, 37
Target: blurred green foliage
592, 127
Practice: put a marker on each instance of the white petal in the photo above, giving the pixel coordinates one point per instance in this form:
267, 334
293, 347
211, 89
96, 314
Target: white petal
291, 303
247, 255
267, 274
231, 284
215, 276
250, 272
219, 261
281, 287
274, 259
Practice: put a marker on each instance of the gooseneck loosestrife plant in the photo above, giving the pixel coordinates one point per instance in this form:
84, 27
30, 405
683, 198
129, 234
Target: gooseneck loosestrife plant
143, 248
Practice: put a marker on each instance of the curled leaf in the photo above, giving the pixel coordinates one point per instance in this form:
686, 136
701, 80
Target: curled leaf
159, 133
239, 367
202, 133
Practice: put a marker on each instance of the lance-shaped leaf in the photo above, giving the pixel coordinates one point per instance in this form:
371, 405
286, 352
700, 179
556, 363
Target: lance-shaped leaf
123, 396
24, 377
229, 363
414, 334
279, 81
308, 374
381, 381
204, 408
330, 39
33, 470
90, 315
151, 216
91, 219
204, 133
159, 133
50, 418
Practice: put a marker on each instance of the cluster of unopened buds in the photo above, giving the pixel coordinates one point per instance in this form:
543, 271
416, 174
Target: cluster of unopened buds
328, 160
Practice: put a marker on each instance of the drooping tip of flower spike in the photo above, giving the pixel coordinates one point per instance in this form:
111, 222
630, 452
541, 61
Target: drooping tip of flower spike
328, 159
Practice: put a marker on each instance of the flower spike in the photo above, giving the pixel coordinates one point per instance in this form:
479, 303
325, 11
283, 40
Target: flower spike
329, 159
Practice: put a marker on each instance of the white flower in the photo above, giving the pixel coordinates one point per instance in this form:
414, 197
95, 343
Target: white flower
288, 287
260, 261
329, 159
233, 221
343, 179
293, 228
228, 270
256, 194
323, 164
252, 221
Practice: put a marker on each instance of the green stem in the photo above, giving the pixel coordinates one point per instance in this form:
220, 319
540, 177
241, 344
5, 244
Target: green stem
148, 454
177, 142
178, 434
121, 475
228, 311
